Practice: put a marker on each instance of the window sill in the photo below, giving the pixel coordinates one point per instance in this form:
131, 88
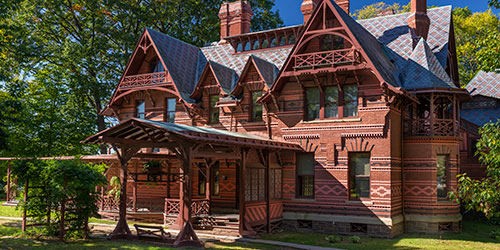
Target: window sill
333, 121
366, 203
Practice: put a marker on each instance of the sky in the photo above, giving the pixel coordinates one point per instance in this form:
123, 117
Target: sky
290, 9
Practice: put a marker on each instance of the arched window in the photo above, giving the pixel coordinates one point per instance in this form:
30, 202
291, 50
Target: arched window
265, 44
282, 41
248, 46
274, 43
291, 39
239, 47
256, 45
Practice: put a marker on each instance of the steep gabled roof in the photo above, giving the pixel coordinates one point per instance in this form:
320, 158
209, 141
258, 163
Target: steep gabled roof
226, 77
377, 53
485, 84
423, 70
268, 70
184, 62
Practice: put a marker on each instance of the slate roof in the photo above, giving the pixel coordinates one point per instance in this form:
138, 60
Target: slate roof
268, 70
423, 70
481, 116
485, 84
386, 40
227, 77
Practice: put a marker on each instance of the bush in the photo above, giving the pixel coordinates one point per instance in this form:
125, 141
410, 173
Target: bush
355, 239
333, 238
495, 234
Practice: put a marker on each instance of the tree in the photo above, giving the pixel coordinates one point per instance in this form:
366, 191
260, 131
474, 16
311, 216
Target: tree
477, 43
88, 42
482, 195
494, 3
373, 10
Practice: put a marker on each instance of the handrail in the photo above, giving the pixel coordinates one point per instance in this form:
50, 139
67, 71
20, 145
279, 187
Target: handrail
144, 79
198, 206
326, 58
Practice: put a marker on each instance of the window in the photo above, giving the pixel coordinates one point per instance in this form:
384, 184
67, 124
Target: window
248, 46
239, 48
140, 110
214, 111
202, 181
157, 66
256, 107
291, 39
442, 168
276, 174
331, 102
274, 43
359, 175
255, 186
282, 41
305, 175
350, 100
170, 110
256, 45
216, 180
313, 103
265, 44
325, 104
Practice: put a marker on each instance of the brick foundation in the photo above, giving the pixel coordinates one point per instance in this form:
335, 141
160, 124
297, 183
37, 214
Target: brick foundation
326, 227
432, 227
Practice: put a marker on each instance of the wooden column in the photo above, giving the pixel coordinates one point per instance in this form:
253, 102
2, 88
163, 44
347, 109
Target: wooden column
122, 231
268, 191
208, 187
241, 195
134, 196
187, 235
432, 114
8, 182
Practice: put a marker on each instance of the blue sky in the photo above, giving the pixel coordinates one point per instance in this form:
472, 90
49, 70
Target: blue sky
290, 9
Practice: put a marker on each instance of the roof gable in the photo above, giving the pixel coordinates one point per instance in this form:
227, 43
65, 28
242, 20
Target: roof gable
267, 73
486, 84
423, 70
225, 77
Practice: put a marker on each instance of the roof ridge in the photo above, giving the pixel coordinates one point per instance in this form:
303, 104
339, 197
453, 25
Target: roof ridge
171, 37
402, 13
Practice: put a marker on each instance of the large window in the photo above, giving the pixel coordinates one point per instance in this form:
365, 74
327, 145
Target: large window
305, 175
170, 110
255, 186
359, 175
442, 168
327, 103
256, 107
350, 100
140, 110
313, 103
214, 111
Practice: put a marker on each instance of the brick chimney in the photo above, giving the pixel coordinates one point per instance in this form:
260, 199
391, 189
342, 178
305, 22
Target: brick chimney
418, 21
344, 4
308, 7
235, 18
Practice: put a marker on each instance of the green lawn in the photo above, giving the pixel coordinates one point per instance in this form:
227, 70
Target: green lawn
475, 235
9, 212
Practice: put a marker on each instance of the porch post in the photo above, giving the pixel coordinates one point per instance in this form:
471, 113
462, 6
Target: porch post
268, 191
208, 191
8, 182
241, 195
187, 235
134, 195
122, 230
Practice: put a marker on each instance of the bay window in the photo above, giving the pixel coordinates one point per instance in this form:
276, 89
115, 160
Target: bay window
331, 102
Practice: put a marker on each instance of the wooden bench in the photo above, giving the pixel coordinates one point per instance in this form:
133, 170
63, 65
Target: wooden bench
152, 232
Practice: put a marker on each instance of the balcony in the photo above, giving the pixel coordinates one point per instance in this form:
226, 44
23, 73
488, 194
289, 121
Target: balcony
324, 59
424, 127
142, 80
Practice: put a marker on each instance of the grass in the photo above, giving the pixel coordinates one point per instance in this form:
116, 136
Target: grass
9, 212
475, 235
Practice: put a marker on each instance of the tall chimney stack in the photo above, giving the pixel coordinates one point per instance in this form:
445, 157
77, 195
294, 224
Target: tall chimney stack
344, 4
418, 21
307, 8
235, 18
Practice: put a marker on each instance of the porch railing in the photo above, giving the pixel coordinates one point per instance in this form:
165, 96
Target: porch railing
140, 205
144, 80
198, 207
326, 58
424, 127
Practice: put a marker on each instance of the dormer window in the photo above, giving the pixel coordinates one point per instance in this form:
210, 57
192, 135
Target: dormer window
256, 108
214, 111
140, 110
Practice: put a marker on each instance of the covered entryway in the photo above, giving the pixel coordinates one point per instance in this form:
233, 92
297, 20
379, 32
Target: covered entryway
191, 145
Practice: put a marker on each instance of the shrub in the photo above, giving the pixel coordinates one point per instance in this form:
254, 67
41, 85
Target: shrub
333, 238
355, 239
495, 234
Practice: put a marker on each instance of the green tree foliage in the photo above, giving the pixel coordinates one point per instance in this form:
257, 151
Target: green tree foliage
494, 3
482, 195
373, 10
477, 42
66, 183
80, 48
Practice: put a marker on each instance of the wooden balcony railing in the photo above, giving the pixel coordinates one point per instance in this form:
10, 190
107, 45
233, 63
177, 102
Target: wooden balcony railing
198, 207
140, 205
424, 127
144, 80
326, 59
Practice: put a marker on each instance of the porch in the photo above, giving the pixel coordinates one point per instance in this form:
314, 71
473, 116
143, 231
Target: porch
256, 181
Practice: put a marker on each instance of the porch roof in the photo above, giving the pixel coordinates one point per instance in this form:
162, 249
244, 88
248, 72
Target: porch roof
155, 134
